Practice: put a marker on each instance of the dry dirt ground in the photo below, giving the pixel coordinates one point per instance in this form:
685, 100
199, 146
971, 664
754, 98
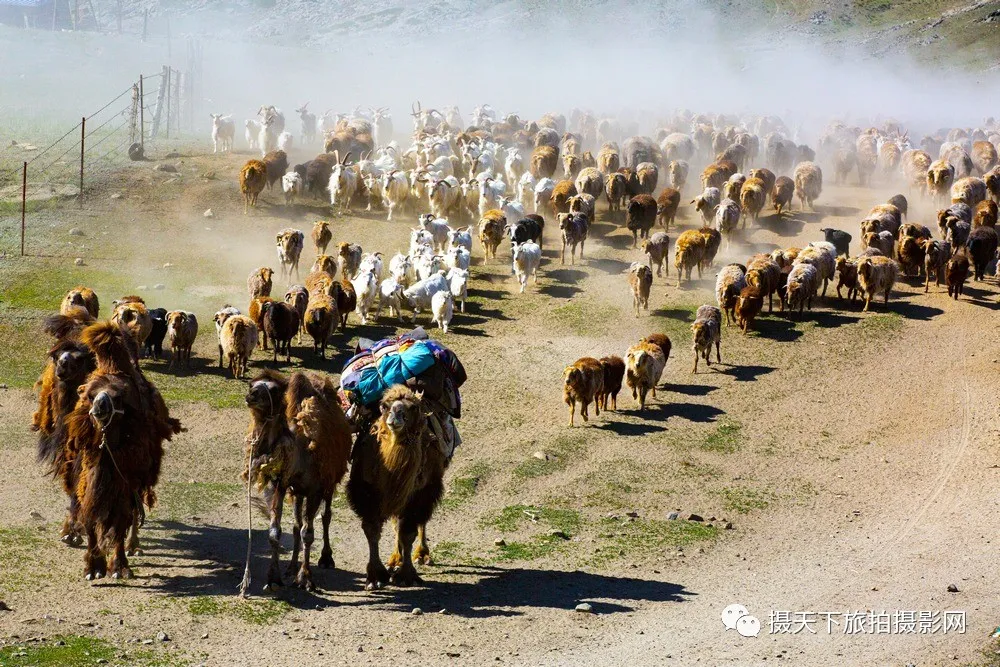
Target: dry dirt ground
852, 454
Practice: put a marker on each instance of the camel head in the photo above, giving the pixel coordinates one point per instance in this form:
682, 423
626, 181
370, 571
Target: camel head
73, 361
266, 397
401, 410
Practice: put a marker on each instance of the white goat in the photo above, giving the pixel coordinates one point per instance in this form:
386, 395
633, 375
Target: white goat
439, 230
458, 258
527, 257
390, 293
252, 132
526, 189
343, 183
543, 193
291, 185
395, 190
514, 166
443, 308
372, 262
420, 238
460, 238
401, 268
490, 192
223, 132
267, 138
419, 295
366, 288
458, 282
285, 141
427, 263
512, 210
444, 195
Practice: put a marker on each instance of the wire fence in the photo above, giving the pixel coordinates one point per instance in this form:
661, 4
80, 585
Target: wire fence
36, 181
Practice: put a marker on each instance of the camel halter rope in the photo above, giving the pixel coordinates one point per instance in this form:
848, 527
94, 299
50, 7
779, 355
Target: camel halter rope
253, 440
103, 424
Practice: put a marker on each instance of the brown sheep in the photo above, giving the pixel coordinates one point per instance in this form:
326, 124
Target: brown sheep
182, 329
571, 165
347, 300
80, 296
614, 373
982, 249
559, 200
616, 190
940, 176
640, 280
574, 229
640, 216
644, 364
321, 236
713, 241
753, 196
910, 252
808, 183
321, 318
748, 306
915, 166
325, 264
876, 274
936, 256
847, 277
729, 283
256, 314
666, 206
648, 175
984, 156
297, 297
298, 443
706, 331
867, 158
584, 204
689, 251
713, 177
765, 175
969, 191
350, 259
657, 248
237, 339
583, 383
844, 160
259, 283
276, 164
661, 341
985, 214
280, 324
131, 312
764, 274
678, 171
544, 161
253, 178
588, 160
491, 231
899, 201
590, 182
782, 193
992, 180
956, 274
608, 160
396, 472
289, 244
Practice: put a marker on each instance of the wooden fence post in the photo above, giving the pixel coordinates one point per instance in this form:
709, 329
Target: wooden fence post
160, 96
24, 203
142, 115
83, 137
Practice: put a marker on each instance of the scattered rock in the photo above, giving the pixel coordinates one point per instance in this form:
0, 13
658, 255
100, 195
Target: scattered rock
147, 642
361, 649
101, 661
417, 611
992, 17
443, 612
500, 542
673, 516
695, 517
36, 515
78, 261
208, 213
168, 265
729, 525
559, 533
584, 608
142, 287
162, 636
952, 588
209, 175
168, 168
632, 515
159, 286
4, 607
543, 456
117, 195
76, 232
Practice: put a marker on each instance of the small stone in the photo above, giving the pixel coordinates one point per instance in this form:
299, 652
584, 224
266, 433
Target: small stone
117, 195
101, 661
542, 456
443, 612
712, 518
559, 533
159, 286
168, 265
499, 542
208, 213
168, 168
632, 515
672, 516
361, 649
162, 636
952, 588
3, 606
728, 525
584, 608
147, 642
78, 261
60, 643
76, 232
142, 287
209, 175
695, 517
35, 515
417, 611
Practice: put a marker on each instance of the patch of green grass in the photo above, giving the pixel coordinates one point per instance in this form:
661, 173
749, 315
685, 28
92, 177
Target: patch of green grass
646, 537
464, 486
215, 390
744, 500
560, 449
612, 486
19, 547
449, 552
179, 500
510, 518
880, 324
77, 651
584, 317
539, 546
23, 353
726, 438
257, 611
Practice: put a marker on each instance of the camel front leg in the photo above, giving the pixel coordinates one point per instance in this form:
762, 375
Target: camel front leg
326, 556
133, 548
274, 537
396, 558
304, 578
293, 564
376, 575
406, 573
422, 554
96, 564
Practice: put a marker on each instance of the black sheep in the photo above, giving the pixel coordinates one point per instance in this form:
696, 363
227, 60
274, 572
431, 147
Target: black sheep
841, 240
528, 228
640, 216
982, 245
281, 323
153, 347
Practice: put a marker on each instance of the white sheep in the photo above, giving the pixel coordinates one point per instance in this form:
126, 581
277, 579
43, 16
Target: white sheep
401, 268
438, 229
490, 192
527, 257
543, 193
460, 238
443, 308
223, 131
443, 194
526, 189
366, 288
514, 166
291, 185
395, 190
458, 257
418, 296
285, 141
343, 183
267, 137
458, 281
252, 132
512, 210
390, 294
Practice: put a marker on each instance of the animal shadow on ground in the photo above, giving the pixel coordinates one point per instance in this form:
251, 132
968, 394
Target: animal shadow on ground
599, 229
612, 267
809, 216
781, 225
621, 242
569, 279
777, 328
908, 309
679, 314
839, 211
215, 556
694, 412
690, 389
560, 291
980, 297
632, 428
748, 373
828, 319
